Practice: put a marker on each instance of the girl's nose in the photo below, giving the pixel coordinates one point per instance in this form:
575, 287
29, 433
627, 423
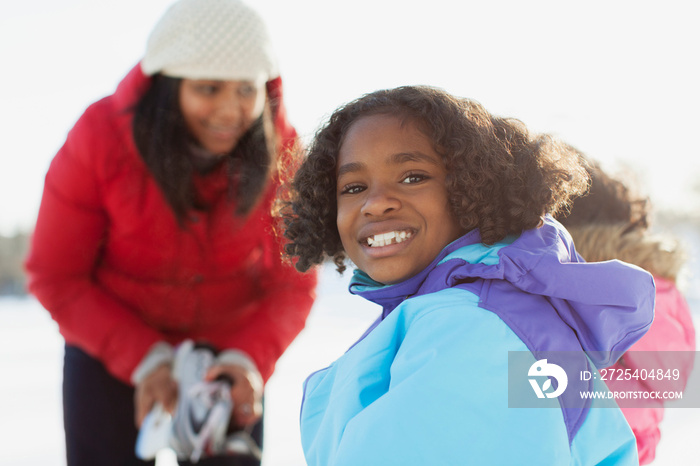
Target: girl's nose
380, 201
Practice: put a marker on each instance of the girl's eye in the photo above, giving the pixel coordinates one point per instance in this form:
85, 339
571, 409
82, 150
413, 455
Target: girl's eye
414, 178
352, 189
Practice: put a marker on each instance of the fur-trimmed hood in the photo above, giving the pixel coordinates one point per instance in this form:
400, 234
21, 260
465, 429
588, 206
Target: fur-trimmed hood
662, 257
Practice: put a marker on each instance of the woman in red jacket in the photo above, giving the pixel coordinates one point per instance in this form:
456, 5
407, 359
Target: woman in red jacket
155, 227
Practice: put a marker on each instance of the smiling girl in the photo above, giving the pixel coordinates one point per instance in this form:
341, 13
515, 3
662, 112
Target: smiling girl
444, 210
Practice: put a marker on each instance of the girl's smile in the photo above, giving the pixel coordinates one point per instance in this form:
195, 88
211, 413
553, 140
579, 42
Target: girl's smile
393, 211
386, 243
385, 239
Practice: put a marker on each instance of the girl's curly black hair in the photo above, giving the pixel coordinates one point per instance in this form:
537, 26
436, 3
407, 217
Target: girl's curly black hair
501, 179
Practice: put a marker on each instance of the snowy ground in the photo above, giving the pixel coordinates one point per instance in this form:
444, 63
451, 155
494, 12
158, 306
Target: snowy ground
31, 352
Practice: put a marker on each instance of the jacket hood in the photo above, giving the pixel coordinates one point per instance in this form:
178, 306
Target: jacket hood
608, 305
131, 88
661, 256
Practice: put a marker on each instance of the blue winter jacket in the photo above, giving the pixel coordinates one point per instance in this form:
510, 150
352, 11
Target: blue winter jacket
428, 383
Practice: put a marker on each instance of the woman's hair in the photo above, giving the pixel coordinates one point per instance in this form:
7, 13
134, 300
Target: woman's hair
165, 145
608, 201
501, 179
612, 221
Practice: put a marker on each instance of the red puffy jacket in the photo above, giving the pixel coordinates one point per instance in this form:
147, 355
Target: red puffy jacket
115, 271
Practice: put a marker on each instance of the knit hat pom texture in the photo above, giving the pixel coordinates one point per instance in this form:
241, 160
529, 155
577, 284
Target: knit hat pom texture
211, 39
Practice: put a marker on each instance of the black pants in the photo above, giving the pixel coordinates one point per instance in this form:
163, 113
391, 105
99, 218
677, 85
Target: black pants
98, 416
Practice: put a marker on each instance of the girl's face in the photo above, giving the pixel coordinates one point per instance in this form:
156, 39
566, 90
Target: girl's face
393, 213
218, 113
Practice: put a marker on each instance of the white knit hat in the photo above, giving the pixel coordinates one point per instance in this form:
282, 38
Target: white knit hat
211, 39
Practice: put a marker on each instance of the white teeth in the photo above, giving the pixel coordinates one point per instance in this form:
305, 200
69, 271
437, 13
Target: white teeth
384, 239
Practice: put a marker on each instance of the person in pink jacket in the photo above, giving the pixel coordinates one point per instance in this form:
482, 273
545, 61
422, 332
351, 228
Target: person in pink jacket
156, 227
611, 223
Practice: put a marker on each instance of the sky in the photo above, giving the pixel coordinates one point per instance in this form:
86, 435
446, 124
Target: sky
617, 79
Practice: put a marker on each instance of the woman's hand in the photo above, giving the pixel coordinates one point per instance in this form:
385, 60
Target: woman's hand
157, 387
246, 392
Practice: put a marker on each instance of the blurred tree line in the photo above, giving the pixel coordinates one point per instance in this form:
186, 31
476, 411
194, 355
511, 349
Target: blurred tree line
13, 250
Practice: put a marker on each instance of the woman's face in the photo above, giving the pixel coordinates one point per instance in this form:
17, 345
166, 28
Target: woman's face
218, 113
393, 211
